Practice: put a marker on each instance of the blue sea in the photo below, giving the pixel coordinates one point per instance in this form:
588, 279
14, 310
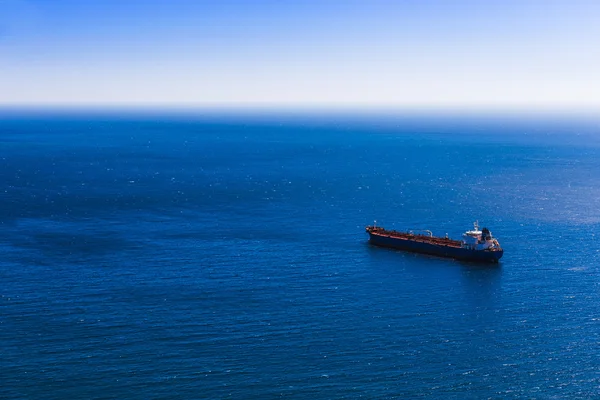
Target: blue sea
223, 255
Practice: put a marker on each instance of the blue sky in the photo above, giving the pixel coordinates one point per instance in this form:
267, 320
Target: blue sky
335, 53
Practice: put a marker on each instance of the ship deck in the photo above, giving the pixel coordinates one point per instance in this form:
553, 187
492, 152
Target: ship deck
434, 240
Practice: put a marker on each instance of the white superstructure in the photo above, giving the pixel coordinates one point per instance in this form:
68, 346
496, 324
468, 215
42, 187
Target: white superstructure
479, 239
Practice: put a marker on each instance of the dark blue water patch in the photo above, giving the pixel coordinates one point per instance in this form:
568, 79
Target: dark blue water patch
68, 243
226, 257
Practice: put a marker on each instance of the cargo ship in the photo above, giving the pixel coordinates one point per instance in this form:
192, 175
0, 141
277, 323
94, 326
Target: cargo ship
476, 245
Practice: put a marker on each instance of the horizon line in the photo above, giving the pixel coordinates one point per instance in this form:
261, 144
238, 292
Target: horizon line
301, 108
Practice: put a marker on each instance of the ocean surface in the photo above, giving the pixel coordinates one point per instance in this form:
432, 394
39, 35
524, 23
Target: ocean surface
224, 255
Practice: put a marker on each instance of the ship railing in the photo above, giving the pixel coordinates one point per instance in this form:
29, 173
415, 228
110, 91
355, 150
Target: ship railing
411, 231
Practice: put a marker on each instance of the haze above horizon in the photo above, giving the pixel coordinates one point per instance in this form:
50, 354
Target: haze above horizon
332, 53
